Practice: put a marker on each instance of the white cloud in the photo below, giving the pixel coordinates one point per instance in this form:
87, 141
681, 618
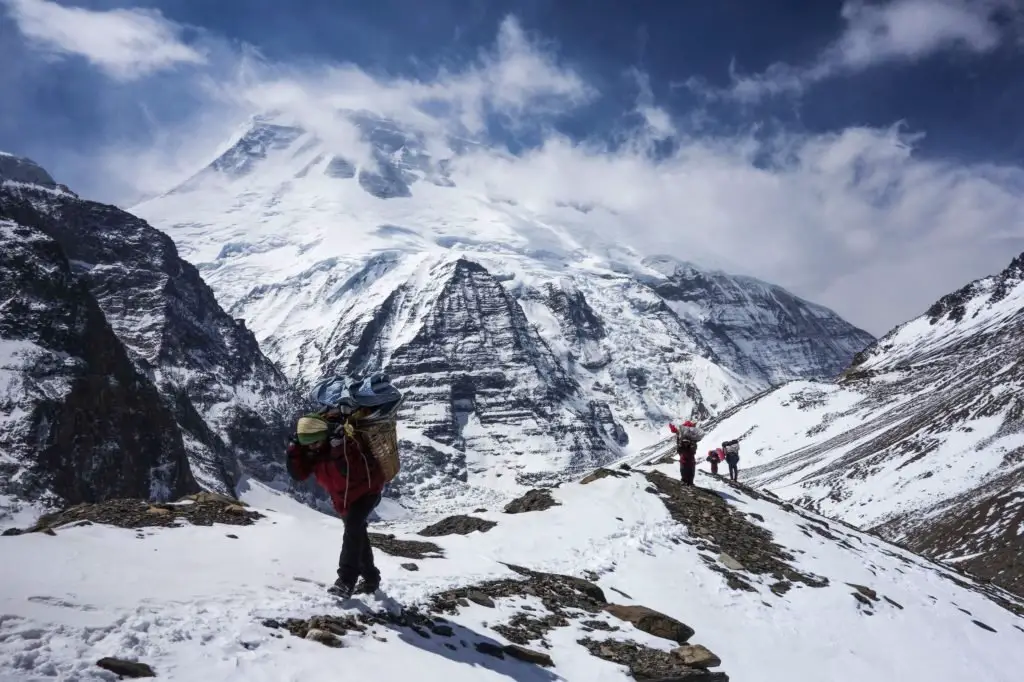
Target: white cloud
874, 34
853, 219
124, 43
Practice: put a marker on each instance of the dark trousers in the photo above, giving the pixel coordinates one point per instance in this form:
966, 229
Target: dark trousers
734, 470
356, 553
714, 468
687, 470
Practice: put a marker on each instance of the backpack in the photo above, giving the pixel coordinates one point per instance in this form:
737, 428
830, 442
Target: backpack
687, 438
732, 450
366, 409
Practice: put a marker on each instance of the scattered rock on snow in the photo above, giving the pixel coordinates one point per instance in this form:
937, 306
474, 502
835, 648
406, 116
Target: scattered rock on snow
983, 626
537, 499
457, 525
410, 566
407, 549
722, 528
866, 591
133, 513
697, 656
125, 668
646, 663
652, 622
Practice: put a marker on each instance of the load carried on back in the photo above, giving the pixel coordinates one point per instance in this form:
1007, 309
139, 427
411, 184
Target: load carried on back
687, 437
366, 408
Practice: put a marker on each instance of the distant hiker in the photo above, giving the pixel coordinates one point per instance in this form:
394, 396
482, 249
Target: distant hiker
713, 459
732, 457
687, 437
354, 481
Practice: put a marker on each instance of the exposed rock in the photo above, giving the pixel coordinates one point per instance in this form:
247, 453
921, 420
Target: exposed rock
722, 528
538, 499
177, 344
457, 525
323, 637
480, 598
602, 473
866, 591
652, 622
141, 514
125, 668
730, 563
407, 549
410, 566
83, 423
490, 649
646, 663
528, 655
983, 626
697, 656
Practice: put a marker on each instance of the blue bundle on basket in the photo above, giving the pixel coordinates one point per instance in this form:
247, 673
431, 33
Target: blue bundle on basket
369, 406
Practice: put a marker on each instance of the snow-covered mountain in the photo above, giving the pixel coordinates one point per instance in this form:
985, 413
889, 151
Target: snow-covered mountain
89, 291
627, 577
921, 439
527, 348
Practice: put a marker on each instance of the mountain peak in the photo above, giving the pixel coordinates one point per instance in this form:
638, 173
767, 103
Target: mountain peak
19, 169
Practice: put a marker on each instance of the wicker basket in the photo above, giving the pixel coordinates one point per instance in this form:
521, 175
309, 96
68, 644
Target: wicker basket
381, 438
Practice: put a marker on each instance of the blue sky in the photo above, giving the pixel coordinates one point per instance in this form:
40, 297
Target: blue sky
877, 146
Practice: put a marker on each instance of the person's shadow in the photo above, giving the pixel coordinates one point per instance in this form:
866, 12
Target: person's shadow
462, 645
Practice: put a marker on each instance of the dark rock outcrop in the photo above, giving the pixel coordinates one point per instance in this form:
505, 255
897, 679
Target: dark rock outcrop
85, 424
538, 499
124, 668
202, 509
457, 525
407, 549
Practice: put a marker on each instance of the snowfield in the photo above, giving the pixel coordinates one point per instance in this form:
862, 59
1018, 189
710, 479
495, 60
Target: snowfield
190, 601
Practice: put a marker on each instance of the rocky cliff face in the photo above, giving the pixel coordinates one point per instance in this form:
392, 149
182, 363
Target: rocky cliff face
920, 439
758, 329
78, 421
231, 405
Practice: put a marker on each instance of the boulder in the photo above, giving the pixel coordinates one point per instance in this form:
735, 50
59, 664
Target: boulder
652, 622
697, 656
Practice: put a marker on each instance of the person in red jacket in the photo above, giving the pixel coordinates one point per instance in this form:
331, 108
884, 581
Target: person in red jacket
713, 459
355, 483
686, 446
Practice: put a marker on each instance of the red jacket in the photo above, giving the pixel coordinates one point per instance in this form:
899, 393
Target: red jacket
345, 472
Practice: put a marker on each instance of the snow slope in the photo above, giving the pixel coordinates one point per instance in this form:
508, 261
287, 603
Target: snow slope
518, 333
921, 439
190, 600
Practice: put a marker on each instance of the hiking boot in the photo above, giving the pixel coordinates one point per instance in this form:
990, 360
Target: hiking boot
341, 590
367, 586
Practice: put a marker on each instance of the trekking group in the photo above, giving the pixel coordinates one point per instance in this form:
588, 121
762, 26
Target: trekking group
687, 437
350, 447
